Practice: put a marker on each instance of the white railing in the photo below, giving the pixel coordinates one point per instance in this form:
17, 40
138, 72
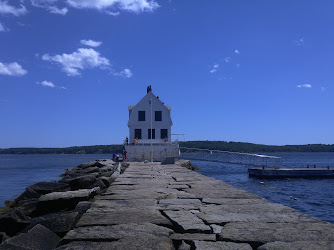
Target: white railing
231, 157
153, 142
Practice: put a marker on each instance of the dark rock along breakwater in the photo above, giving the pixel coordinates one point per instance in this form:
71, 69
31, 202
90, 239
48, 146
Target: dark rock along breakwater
154, 206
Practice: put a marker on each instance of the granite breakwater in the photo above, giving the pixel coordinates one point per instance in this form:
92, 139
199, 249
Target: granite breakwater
153, 206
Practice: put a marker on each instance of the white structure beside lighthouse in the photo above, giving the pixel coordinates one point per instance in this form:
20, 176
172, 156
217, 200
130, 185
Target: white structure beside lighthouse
150, 130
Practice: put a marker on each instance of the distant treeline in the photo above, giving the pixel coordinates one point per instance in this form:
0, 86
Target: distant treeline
242, 147
97, 149
245, 147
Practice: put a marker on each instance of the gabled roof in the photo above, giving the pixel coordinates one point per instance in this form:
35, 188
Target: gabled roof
130, 107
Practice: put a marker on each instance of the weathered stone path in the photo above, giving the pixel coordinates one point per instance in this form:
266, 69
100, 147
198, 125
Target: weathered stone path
153, 206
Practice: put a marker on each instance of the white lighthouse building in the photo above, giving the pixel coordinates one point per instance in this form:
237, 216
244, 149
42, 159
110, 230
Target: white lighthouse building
150, 130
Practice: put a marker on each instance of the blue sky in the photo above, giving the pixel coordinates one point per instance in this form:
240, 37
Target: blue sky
249, 71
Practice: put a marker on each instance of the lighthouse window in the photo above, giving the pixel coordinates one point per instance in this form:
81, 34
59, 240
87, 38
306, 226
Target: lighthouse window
138, 133
158, 116
141, 115
149, 134
164, 133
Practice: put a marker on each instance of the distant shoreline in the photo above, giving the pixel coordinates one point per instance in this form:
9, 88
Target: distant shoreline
242, 147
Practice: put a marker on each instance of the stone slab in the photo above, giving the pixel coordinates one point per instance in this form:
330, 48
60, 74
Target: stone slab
223, 218
186, 221
83, 206
135, 195
223, 201
58, 201
247, 209
110, 205
59, 223
167, 202
193, 236
45, 187
204, 245
111, 233
258, 232
123, 216
225, 193
130, 243
216, 228
178, 186
314, 245
37, 238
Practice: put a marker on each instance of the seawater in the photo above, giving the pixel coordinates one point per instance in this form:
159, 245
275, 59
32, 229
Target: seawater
20, 171
314, 197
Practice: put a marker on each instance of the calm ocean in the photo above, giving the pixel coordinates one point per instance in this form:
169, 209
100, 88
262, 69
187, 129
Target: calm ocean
314, 197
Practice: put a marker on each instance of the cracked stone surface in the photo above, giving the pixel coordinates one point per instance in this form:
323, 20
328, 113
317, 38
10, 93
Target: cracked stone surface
116, 232
314, 245
270, 232
151, 206
187, 221
123, 216
204, 245
193, 236
130, 243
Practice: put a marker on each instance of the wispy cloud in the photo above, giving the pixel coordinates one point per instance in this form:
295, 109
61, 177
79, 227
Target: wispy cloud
3, 28
323, 89
91, 43
300, 42
12, 69
227, 59
50, 6
47, 84
58, 11
127, 73
5, 8
215, 68
112, 13
305, 86
135, 6
236, 52
81, 59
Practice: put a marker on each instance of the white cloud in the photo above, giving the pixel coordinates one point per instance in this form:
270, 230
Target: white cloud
128, 5
300, 42
236, 52
227, 59
47, 84
91, 43
56, 10
81, 59
50, 6
305, 86
3, 28
126, 73
111, 13
12, 69
5, 8
215, 67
